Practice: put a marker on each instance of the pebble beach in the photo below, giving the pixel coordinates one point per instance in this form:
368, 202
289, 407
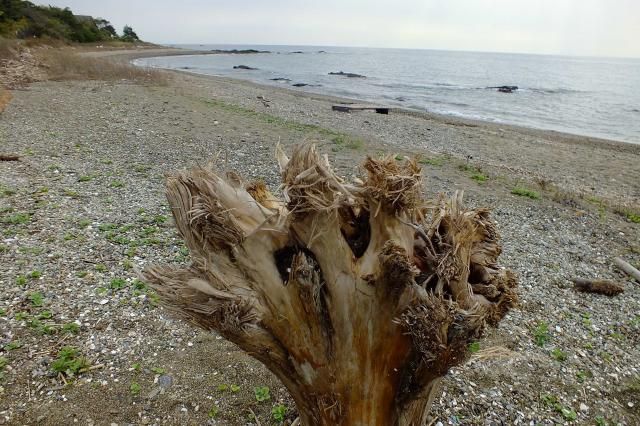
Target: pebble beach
83, 210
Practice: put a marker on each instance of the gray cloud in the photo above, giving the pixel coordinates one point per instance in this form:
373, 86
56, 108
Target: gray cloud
574, 27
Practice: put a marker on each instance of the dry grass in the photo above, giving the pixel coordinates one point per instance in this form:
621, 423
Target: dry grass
495, 352
8, 48
5, 98
63, 64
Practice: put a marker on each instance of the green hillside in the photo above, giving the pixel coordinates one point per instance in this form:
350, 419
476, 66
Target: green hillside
23, 19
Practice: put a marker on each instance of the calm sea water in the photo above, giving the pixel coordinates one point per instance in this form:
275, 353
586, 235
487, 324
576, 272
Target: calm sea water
586, 96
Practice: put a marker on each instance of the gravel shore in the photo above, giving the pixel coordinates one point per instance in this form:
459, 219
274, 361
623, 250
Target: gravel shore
85, 208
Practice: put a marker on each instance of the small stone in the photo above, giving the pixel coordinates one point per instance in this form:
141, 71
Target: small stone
583, 407
165, 381
154, 392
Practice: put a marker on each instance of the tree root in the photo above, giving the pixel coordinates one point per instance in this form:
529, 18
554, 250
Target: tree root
358, 296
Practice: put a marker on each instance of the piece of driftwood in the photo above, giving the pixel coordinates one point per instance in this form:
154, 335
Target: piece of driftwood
9, 157
606, 287
359, 296
628, 269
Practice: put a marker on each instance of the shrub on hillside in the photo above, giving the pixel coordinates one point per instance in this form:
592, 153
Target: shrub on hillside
23, 19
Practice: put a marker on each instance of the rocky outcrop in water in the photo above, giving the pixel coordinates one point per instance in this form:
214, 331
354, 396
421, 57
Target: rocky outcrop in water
280, 79
239, 51
504, 89
243, 67
348, 74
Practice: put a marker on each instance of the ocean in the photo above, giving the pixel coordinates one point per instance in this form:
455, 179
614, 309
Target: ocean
586, 96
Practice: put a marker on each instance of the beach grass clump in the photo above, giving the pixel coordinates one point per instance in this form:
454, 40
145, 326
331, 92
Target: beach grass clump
433, 161
64, 64
633, 217
524, 192
69, 361
16, 219
475, 172
480, 177
541, 334
628, 213
470, 168
345, 141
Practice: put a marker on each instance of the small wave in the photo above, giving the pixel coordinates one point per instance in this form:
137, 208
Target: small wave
468, 115
423, 86
458, 104
550, 91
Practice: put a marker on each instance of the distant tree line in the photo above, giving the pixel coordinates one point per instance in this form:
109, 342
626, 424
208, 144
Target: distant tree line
23, 19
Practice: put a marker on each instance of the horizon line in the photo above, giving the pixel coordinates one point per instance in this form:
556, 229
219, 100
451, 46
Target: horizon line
588, 56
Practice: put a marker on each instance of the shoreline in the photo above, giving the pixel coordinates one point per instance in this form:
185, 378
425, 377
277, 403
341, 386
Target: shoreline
588, 167
567, 136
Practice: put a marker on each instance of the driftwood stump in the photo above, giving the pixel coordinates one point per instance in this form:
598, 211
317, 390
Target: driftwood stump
359, 297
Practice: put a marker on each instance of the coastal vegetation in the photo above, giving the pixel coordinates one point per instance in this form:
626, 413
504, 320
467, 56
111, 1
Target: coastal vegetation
68, 65
525, 192
24, 20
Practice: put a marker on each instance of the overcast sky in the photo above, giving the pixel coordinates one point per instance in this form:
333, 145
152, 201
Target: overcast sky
573, 27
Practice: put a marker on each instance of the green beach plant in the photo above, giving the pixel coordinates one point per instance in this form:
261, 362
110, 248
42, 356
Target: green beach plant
262, 393
69, 361
524, 192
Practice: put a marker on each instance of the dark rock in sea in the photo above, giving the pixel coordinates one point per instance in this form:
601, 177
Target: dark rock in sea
280, 79
243, 67
305, 84
348, 74
185, 68
239, 51
400, 99
297, 51
322, 51
504, 89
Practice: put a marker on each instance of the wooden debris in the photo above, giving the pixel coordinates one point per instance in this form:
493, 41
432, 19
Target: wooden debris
627, 268
606, 287
358, 295
380, 109
9, 157
266, 102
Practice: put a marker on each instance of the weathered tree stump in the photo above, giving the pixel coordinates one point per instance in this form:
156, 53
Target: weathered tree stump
359, 297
